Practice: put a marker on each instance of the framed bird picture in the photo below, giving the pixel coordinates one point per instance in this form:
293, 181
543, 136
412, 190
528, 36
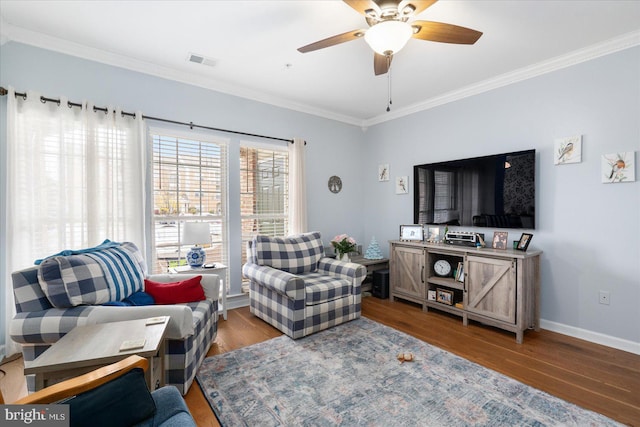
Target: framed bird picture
402, 185
618, 167
383, 172
567, 150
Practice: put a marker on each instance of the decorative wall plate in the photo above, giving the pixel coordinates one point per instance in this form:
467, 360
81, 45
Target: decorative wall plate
335, 184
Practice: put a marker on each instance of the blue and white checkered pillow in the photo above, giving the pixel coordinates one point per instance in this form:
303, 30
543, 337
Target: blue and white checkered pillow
295, 254
96, 277
73, 280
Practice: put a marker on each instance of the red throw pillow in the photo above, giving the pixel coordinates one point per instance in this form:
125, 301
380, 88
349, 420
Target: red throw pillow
189, 290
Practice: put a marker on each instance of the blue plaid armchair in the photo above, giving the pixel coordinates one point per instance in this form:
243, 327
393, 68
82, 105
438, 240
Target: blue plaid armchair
296, 289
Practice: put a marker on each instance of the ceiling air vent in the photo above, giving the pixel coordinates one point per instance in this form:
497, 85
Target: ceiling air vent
201, 59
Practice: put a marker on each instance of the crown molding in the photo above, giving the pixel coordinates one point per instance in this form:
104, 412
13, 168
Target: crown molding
21, 35
576, 57
4, 37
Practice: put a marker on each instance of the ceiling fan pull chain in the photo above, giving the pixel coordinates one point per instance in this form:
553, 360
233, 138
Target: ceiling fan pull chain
389, 82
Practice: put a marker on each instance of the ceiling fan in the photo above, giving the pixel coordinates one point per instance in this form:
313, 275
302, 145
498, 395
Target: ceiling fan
391, 28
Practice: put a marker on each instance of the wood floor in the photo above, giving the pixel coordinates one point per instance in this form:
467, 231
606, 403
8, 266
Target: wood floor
595, 377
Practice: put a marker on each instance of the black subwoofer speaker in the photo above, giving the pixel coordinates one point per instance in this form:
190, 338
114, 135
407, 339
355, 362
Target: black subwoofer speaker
380, 286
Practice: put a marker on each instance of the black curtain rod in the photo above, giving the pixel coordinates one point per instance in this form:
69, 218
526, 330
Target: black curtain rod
191, 125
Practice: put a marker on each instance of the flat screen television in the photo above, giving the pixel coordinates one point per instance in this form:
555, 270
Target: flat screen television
495, 191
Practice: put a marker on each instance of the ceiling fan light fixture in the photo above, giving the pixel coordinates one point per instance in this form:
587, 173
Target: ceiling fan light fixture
408, 10
388, 37
370, 13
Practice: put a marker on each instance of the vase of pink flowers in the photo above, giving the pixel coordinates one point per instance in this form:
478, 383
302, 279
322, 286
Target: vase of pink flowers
343, 245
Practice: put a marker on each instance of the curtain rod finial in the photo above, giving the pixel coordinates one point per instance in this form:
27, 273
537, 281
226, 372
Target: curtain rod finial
3, 91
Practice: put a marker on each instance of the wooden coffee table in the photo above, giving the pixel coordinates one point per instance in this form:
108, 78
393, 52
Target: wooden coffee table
89, 347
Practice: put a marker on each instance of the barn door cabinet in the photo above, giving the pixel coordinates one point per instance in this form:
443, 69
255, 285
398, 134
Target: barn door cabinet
407, 272
500, 288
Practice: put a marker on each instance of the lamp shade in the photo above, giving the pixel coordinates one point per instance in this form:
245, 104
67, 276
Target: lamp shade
388, 37
196, 233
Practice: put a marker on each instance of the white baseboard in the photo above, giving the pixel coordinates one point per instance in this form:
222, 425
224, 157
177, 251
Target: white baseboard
242, 300
595, 337
237, 301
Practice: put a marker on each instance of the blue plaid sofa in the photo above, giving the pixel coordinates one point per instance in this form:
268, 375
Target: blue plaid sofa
39, 323
296, 289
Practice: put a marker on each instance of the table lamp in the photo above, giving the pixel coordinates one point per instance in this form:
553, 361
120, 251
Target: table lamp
196, 233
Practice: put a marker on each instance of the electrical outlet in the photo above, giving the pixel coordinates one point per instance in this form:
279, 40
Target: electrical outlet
605, 297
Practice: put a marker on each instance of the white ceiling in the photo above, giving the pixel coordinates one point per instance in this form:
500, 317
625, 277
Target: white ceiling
254, 47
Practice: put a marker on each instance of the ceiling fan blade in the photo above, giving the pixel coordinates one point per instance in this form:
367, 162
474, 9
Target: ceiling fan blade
415, 6
361, 6
381, 64
444, 33
332, 41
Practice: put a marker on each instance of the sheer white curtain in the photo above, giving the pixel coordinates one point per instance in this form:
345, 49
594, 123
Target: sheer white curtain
297, 188
75, 177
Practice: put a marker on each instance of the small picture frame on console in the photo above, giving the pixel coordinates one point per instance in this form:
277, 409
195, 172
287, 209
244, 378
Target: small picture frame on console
500, 240
411, 233
444, 297
433, 235
524, 241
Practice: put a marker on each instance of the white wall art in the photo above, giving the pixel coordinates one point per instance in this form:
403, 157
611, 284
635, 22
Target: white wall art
402, 185
383, 172
618, 167
567, 150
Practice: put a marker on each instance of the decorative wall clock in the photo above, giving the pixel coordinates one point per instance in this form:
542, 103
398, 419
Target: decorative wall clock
335, 184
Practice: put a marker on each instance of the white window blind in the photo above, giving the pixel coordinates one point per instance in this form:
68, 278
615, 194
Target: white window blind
444, 195
189, 184
264, 198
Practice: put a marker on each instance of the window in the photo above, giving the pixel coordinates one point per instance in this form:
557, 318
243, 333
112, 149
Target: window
437, 196
444, 195
76, 179
264, 193
189, 184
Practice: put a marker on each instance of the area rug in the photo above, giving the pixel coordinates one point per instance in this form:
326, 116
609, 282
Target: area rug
349, 375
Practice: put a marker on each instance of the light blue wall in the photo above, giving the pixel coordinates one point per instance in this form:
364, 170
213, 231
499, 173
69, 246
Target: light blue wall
333, 148
589, 231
